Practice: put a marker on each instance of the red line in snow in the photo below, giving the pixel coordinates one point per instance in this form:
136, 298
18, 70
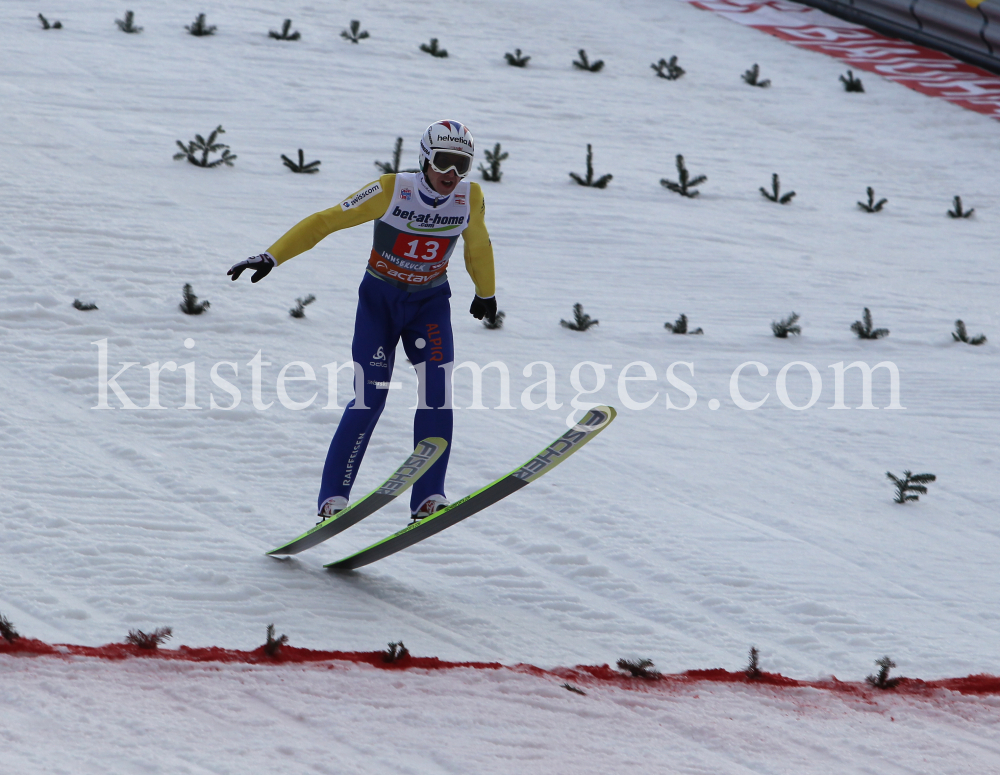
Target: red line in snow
586, 675
922, 69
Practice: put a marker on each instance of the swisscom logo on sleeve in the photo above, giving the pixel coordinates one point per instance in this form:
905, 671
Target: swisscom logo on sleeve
361, 196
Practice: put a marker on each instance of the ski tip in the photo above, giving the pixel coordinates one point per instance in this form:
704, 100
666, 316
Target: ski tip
432, 441
596, 419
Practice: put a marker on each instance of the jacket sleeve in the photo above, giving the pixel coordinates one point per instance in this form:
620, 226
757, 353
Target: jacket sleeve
478, 248
366, 204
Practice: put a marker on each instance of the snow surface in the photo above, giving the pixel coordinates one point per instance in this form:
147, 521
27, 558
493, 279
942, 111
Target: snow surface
336, 719
683, 536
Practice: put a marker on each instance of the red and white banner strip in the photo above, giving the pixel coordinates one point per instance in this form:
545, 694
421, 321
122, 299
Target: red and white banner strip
918, 68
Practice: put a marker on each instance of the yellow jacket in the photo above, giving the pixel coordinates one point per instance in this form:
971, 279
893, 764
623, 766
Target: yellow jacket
307, 233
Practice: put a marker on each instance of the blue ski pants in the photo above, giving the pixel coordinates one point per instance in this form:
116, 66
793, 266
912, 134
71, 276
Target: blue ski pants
422, 319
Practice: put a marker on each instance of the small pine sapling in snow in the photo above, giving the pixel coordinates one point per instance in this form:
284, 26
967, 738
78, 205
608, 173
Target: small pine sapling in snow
958, 212
497, 321
601, 182
581, 320
639, 668
433, 50
149, 640
397, 154
909, 484
301, 166
127, 24
515, 59
191, 305
680, 326
864, 329
584, 64
299, 310
775, 194
285, 34
47, 26
395, 652
872, 206
669, 70
961, 335
882, 680
752, 670
206, 147
199, 28
782, 328
574, 689
493, 174
851, 83
273, 645
355, 33
751, 76
685, 186
7, 631
77, 304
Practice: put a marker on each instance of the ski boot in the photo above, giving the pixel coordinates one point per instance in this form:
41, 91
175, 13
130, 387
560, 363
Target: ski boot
429, 506
331, 507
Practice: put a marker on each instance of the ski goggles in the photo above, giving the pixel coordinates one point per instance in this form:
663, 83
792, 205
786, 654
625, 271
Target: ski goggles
443, 161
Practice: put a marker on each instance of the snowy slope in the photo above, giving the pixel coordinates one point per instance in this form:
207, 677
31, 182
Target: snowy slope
335, 719
684, 536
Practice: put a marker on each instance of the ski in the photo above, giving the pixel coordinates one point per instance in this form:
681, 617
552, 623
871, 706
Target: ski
424, 455
595, 421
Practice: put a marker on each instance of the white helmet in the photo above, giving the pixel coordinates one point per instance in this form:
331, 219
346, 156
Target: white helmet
447, 145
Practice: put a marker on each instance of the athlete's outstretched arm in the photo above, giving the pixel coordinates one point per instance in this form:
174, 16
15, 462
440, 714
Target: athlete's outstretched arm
479, 257
364, 205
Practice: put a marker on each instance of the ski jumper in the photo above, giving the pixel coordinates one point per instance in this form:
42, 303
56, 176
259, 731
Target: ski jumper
403, 295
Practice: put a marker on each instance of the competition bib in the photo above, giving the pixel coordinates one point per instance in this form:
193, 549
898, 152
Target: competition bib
414, 241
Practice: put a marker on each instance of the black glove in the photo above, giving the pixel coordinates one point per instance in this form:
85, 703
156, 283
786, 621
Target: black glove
261, 265
484, 308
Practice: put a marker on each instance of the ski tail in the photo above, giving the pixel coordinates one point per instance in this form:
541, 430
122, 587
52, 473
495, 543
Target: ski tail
424, 455
595, 421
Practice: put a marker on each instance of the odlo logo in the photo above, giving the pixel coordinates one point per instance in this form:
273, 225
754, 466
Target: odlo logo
378, 359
